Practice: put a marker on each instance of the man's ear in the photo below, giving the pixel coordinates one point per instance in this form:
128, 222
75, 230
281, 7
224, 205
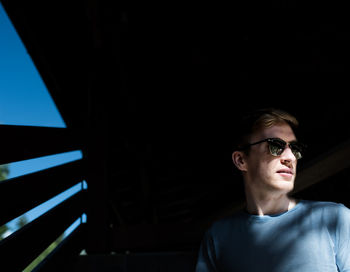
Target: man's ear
238, 159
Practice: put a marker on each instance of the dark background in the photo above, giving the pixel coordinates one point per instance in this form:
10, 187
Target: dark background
155, 92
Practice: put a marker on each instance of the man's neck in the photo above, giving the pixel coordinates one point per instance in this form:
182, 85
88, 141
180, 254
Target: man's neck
260, 204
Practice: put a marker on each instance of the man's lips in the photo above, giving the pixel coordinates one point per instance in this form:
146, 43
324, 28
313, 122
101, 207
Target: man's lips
285, 171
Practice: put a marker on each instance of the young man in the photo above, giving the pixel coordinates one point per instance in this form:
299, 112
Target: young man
275, 232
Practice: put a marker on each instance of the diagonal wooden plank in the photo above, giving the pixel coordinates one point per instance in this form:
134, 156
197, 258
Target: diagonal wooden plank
26, 142
25, 192
324, 166
28, 242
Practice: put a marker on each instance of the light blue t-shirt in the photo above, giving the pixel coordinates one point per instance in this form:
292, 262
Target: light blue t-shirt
311, 237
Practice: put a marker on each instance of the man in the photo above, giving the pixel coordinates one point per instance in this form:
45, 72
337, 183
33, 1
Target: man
275, 232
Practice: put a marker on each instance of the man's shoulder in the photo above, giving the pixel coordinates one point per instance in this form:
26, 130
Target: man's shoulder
328, 208
328, 205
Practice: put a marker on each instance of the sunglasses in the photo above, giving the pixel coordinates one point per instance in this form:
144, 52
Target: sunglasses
277, 146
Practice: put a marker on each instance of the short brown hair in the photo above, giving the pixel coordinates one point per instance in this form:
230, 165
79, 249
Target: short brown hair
261, 118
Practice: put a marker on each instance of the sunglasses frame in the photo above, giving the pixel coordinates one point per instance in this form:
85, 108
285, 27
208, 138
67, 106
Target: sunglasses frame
292, 145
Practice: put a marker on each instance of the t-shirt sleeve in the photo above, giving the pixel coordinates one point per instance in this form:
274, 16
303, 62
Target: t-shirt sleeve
207, 258
343, 239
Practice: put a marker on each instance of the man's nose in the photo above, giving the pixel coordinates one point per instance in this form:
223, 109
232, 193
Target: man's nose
287, 155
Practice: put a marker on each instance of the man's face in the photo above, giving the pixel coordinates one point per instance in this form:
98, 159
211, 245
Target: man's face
268, 173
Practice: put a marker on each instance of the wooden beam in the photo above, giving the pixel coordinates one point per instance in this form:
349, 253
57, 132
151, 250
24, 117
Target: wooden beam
28, 142
66, 254
23, 193
324, 166
27, 243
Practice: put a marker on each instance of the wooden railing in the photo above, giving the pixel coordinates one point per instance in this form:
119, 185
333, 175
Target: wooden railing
21, 194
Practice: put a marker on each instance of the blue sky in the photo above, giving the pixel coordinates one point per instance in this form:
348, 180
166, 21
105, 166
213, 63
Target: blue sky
24, 97
25, 100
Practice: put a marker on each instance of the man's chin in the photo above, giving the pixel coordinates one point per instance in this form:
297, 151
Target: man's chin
285, 185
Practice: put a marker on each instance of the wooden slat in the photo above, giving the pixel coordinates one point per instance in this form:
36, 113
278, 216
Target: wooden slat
324, 166
66, 254
23, 193
25, 142
21, 248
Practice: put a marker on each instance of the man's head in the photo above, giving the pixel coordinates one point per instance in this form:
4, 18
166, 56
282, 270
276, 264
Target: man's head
267, 151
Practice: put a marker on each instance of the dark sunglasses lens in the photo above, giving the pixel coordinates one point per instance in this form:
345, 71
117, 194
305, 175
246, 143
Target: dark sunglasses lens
297, 150
276, 147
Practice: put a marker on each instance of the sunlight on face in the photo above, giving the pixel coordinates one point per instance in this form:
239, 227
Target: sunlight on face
266, 172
